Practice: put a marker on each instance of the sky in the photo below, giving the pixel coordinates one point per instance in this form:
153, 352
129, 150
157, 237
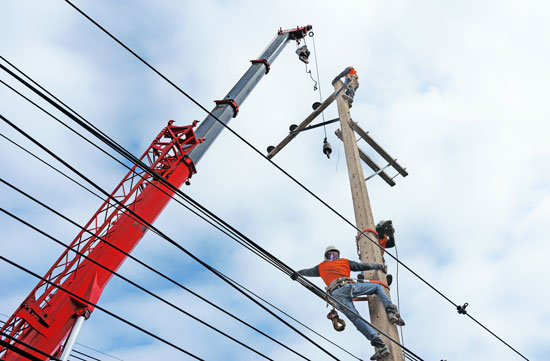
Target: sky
456, 91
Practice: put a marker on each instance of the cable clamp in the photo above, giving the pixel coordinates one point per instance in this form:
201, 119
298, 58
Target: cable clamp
230, 102
462, 309
263, 61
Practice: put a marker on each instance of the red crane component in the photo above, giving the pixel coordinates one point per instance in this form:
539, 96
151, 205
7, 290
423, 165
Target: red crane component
47, 315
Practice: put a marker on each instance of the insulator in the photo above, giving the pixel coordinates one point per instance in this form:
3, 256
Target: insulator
292, 127
316, 105
270, 148
327, 149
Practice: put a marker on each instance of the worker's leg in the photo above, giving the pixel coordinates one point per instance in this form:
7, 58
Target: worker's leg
361, 289
343, 294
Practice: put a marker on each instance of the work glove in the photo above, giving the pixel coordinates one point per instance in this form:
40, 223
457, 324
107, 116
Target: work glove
294, 276
383, 268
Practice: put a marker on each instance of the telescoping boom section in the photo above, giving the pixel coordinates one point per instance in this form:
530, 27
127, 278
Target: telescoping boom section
47, 316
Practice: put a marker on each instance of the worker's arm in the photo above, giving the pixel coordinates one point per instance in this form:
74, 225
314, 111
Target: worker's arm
343, 73
367, 266
307, 272
310, 272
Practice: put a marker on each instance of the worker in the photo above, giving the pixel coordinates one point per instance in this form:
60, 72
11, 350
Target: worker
351, 83
335, 272
386, 238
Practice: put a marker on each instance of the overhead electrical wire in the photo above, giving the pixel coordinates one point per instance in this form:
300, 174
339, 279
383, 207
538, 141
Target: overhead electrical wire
277, 166
12, 347
28, 271
304, 282
141, 288
98, 351
286, 269
149, 267
160, 233
138, 162
57, 119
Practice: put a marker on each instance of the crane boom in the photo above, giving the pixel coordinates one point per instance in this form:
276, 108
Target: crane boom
46, 317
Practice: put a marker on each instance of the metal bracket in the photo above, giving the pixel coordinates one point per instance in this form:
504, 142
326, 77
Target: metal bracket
230, 102
263, 61
315, 126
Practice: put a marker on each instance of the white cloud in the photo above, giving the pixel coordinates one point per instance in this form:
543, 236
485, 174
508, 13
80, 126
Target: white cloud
455, 90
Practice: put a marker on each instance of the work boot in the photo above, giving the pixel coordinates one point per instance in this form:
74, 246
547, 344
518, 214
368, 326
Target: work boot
348, 99
380, 348
380, 353
389, 279
394, 316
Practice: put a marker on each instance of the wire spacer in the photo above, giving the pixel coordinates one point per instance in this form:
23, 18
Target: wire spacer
462, 309
263, 61
231, 102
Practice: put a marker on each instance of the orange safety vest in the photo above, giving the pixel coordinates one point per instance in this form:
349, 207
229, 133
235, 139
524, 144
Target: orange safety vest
383, 242
331, 270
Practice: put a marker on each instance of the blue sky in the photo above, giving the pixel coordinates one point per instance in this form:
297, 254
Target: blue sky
457, 91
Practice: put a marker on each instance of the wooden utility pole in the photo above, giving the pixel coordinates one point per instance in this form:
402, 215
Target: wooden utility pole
368, 252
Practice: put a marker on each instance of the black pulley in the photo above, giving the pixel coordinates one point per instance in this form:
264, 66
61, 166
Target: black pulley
327, 149
316, 105
292, 127
270, 148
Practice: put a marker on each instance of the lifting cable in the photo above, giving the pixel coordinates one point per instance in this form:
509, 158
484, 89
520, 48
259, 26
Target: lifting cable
141, 288
318, 80
146, 265
158, 232
276, 166
22, 268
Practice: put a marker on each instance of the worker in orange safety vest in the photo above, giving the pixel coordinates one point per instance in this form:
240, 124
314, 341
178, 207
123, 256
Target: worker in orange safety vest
335, 272
351, 83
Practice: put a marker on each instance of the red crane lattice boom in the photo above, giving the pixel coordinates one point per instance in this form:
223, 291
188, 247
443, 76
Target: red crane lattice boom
45, 311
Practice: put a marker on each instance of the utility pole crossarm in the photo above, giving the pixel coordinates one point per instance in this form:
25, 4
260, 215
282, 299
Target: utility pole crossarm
365, 135
301, 126
375, 167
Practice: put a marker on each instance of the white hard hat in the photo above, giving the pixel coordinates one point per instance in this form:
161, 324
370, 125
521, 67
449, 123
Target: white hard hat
331, 248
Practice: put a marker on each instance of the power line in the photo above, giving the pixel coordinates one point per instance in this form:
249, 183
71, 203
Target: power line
135, 284
22, 268
157, 231
283, 267
149, 267
118, 148
275, 165
214, 225
101, 352
12, 347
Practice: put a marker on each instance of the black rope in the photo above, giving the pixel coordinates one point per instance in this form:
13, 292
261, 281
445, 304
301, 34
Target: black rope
22, 268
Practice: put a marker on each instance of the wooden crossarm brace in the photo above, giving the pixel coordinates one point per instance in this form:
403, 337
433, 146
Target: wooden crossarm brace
301, 126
